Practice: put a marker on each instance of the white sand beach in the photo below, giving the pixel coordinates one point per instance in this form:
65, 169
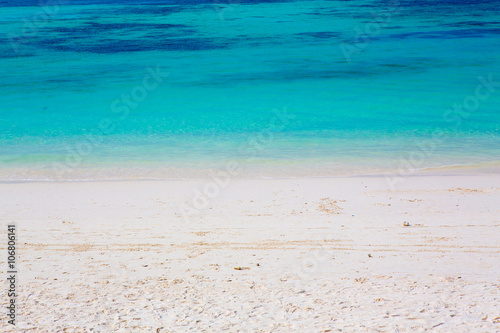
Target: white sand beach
290, 255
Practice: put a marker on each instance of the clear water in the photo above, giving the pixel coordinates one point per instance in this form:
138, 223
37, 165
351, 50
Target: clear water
264, 84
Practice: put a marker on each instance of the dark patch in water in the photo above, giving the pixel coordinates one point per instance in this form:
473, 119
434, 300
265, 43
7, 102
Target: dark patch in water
96, 27
441, 3
12, 55
108, 46
441, 34
472, 23
129, 25
18, 3
286, 76
446, 34
320, 34
315, 71
97, 37
8, 49
151, 10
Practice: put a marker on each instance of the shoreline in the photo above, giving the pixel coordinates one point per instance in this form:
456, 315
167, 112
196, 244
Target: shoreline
481, 169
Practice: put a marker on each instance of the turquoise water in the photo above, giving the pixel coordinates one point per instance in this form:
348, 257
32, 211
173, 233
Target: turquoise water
282, 88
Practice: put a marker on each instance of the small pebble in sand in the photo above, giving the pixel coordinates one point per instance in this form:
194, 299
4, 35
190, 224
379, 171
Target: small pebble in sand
241, 268
406, 224
369, 255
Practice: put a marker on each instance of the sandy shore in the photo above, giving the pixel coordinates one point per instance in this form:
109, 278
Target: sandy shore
291, 255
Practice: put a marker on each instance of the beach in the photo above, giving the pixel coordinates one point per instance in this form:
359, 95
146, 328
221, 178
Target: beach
279, 255
250, 166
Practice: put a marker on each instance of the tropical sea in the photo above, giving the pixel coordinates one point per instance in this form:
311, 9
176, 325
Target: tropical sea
132, 89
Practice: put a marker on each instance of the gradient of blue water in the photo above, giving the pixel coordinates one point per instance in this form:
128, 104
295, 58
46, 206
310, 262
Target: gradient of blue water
231, 65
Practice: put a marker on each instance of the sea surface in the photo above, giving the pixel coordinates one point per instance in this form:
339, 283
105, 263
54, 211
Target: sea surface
132, 89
